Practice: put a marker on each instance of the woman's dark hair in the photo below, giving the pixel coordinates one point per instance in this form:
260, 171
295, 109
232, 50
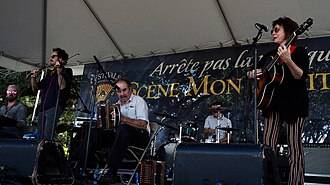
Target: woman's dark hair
62, 54
289, 27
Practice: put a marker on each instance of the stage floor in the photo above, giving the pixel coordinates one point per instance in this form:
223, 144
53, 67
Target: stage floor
27, 181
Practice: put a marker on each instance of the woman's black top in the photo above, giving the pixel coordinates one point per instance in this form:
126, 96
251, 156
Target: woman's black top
290, 98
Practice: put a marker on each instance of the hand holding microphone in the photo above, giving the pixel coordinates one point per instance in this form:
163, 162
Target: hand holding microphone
34, 72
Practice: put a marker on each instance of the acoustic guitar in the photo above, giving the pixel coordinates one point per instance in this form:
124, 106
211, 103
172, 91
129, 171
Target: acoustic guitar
273, 72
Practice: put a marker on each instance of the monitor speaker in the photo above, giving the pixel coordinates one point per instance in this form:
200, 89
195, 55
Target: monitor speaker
18, 155
317, 159
225, 164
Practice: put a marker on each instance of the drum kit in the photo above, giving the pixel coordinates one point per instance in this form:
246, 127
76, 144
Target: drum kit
187, 129
188, 132
215, 137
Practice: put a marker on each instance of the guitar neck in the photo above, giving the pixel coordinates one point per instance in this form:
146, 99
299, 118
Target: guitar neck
276, 57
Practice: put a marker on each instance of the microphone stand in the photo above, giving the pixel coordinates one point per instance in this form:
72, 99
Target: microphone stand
228, 132
254, 45
84, 108
56, 106
100, 67
217, 129
94, 87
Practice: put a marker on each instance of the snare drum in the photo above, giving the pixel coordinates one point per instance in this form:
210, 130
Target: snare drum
189, 131
108, 116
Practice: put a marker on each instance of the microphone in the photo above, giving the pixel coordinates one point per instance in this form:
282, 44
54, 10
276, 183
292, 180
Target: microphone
262, 27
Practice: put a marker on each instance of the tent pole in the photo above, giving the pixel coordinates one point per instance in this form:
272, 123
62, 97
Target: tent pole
44, 34
227, 24
3, 54
105, 29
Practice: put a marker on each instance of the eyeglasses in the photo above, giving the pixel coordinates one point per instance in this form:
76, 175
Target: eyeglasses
276, 29
11, 92
121, 90
53, 56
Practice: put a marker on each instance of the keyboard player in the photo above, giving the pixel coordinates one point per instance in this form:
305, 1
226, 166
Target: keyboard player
12, 115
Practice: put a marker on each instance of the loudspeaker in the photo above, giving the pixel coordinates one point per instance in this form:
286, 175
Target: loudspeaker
18, 155
317, 159
225, 164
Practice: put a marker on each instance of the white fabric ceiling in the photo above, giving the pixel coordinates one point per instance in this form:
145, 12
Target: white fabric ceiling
113, 29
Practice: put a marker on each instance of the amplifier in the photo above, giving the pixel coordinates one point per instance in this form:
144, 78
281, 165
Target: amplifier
18, 155
212, 163
317, 159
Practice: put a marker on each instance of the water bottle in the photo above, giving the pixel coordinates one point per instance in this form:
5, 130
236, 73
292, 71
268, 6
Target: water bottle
96, 174
95, 114
137, 178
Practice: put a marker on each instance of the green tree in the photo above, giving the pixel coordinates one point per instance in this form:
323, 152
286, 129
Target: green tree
28, 98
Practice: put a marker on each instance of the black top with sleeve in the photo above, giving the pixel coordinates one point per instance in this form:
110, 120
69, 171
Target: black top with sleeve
49, 86
290, 98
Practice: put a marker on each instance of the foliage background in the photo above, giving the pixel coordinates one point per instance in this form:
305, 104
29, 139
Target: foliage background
28, 98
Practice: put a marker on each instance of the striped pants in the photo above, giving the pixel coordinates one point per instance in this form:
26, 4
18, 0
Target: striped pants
272, 125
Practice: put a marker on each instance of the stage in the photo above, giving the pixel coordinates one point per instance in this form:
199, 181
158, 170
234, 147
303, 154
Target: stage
189, 162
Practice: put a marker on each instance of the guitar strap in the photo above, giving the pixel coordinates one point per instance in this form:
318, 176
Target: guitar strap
292, 48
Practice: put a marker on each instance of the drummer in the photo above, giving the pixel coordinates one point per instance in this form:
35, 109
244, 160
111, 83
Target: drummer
214, 121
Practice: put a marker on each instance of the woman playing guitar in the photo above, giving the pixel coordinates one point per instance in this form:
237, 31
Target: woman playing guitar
288, 100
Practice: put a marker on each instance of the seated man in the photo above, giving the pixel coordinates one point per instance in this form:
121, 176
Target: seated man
134, 126
14, 112
216, 120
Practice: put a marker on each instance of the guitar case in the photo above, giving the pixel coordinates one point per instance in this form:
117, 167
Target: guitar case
51, 165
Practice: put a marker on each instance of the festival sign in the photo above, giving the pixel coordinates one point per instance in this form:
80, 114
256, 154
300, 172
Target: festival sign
184, 85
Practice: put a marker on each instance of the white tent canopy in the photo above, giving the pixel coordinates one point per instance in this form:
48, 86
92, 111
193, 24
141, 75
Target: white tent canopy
117, 29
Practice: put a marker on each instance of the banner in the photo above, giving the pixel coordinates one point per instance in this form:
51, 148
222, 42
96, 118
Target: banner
184, 85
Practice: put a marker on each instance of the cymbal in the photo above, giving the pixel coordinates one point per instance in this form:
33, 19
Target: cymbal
168, 125
221, 109
228, 129
165, 114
